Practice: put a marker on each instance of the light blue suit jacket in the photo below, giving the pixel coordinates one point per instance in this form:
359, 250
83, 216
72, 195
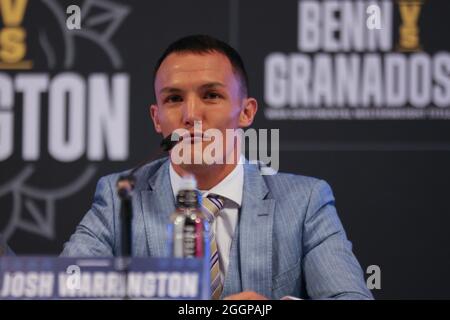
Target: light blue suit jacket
289, 239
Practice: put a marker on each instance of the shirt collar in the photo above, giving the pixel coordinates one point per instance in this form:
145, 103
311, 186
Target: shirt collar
231, 187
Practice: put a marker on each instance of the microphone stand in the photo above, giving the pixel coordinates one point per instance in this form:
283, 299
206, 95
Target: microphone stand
125, 187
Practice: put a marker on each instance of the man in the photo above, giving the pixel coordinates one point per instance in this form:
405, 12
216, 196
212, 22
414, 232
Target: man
277, 235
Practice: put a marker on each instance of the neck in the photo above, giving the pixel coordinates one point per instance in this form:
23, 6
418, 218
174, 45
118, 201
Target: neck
207, 176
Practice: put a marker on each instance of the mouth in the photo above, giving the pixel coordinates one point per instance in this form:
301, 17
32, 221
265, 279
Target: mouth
194, 137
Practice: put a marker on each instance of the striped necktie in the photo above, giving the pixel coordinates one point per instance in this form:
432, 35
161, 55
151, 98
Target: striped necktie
212, 204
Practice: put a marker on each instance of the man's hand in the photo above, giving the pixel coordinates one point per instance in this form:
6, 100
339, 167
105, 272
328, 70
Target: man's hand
246, 295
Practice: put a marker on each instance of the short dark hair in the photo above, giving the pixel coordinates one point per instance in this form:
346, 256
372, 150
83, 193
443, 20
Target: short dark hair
202, 44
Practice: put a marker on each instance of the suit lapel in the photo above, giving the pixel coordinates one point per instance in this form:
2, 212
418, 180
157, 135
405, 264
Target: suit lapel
157, 205
250, 262
252, 245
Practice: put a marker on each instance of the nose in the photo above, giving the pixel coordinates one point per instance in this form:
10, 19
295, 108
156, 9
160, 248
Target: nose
191, 111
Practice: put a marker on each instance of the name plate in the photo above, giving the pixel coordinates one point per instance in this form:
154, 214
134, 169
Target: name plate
103, 278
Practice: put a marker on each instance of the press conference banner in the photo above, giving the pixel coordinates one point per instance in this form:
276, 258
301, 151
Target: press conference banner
360, 91
103, 278
348, 67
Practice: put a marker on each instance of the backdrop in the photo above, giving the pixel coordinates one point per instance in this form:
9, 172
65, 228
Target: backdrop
360, 93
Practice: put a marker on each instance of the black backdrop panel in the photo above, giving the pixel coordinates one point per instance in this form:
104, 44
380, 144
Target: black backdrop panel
74, 107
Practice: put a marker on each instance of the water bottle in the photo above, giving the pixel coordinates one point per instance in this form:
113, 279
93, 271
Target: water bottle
187, 227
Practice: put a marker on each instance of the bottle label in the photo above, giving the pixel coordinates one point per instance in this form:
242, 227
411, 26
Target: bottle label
189, 240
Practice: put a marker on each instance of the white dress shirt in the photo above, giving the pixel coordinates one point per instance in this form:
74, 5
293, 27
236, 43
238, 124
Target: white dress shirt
231, 188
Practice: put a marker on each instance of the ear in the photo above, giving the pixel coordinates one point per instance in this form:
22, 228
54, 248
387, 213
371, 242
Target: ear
248, 112
155, 117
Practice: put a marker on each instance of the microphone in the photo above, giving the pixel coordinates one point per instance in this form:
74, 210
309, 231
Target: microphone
125, 186
170, 141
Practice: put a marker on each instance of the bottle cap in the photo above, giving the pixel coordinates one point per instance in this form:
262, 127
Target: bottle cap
188, 195
188, 183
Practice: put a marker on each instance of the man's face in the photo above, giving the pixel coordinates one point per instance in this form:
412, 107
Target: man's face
200, 87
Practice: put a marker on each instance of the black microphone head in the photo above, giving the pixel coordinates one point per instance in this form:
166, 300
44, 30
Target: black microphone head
125, 186
170, 141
